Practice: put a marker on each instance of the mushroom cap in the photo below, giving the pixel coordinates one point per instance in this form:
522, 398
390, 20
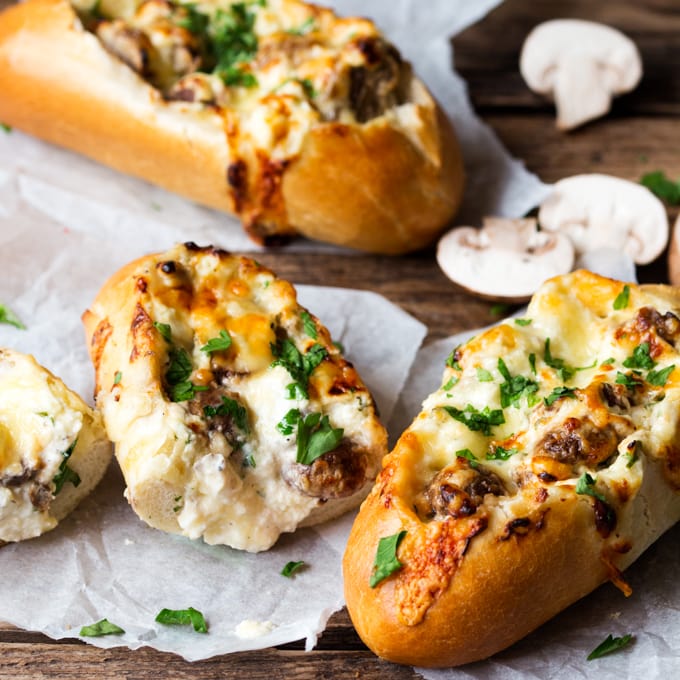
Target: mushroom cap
581, 64
600, 211
506, 260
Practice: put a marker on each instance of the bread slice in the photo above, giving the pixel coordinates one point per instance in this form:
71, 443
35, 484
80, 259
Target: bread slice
53, 448
234, 416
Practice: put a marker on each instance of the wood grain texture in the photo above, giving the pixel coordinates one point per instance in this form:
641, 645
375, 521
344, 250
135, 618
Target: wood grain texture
640, 135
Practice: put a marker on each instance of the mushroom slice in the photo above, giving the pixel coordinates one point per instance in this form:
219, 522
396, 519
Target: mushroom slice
505, 260
581, 65
600, 211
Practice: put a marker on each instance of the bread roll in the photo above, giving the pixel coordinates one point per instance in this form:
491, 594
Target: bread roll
278, 111
53, 448
546, 463
234, 416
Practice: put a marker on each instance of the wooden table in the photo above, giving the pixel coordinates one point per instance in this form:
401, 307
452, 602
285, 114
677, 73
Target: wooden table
641, 134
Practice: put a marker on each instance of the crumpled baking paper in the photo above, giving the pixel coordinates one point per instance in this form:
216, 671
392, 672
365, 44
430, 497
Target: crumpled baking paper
558, 649
66, 224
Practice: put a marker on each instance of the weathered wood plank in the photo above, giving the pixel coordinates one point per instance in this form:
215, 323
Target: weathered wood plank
487, 54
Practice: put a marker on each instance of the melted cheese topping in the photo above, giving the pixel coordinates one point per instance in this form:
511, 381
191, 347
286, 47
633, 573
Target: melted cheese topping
39, 422
235, 479
576, 401
284, 67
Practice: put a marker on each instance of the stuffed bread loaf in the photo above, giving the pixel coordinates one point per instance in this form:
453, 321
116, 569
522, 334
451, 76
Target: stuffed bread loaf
234, 416
546, 463
276, 110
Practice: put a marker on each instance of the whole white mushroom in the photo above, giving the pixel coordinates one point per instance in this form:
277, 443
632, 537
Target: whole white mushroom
601, 211
581, 65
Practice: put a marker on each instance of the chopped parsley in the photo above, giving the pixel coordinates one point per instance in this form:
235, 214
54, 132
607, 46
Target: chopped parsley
515, 387
309, 325
194, 21
183, 617
450, 383
164, 329
233, 38
118, 376
483, 375
608, 645
500, 453
622, 299
100, 628
307, 26
9, 317
6, 128
308, 87
660, 377
291, 568
219, 344
640, 358
626, 379
300, 366
632, 454
559, 393
452, 360
608, 362
286, 426
295, 391
523, 322
499, 309
177, 376
661, 186
65, 473
315, 436
229, 407
475, 420
229, 40
586, 487
236, 77
468, 455
386, 561
565, 372
532, 363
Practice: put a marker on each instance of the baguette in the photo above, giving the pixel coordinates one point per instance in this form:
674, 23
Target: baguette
53, 448
234, 417
295, 120
544, 466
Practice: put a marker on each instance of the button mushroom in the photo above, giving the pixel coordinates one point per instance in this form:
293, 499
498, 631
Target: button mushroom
505, 260
600, 211
581, 65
